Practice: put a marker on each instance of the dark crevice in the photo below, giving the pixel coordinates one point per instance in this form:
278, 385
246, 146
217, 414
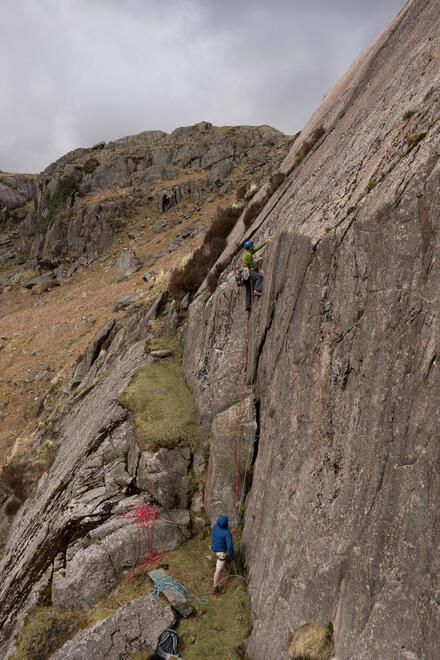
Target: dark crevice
257, 431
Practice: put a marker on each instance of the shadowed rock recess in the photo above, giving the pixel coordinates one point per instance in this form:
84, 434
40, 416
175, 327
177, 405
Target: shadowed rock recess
340, 399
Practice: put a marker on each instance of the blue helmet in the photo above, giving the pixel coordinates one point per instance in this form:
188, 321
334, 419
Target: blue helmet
248, 244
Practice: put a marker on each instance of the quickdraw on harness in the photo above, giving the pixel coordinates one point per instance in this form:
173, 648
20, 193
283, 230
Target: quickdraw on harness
241, 275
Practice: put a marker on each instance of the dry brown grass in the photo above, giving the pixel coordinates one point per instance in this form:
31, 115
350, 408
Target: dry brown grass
185, 177
106, 194
312, 642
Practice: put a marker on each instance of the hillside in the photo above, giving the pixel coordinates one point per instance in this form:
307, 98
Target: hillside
75, 241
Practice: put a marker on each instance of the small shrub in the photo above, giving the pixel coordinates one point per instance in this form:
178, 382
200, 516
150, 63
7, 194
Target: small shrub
189, 278
414, 138
90, 165
63, 191
408, 114
253, 188
252, 211
276, 180
214, 275
224, 221
371, 184
241, 192
309, 144
12, 506
254, 207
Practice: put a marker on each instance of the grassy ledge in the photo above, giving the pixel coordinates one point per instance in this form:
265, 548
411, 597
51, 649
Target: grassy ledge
162, 403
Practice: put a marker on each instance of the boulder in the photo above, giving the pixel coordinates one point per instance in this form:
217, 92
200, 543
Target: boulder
176, 244
166, 199
161, 354
118, 637
124, 300
185, 232
9, 198
86, 360
147, 260
87, 575
160, 225
178, 601
156, 308
163, 474
42, 283
149, 276
127, 264
172, 320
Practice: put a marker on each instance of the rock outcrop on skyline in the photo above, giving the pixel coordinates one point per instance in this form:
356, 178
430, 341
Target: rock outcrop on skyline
332, 387
74, 207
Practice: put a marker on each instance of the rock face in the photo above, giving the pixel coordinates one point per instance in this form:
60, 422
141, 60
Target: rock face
232, 448
341, 517
132, 628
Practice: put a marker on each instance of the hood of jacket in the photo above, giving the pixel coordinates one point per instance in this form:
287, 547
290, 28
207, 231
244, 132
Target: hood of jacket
222, 521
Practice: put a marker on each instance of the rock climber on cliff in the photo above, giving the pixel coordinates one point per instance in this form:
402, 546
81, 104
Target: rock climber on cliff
249, 274
221, 544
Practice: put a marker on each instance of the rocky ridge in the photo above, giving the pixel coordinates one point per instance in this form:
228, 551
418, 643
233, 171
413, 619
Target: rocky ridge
73, 208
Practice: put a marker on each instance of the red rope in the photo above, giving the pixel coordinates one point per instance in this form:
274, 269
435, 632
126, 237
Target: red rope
145, 516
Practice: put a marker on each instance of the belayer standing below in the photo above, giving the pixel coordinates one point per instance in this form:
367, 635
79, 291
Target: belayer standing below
221, 544
248, 263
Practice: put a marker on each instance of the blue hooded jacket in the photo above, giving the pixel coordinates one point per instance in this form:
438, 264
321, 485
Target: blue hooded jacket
221, 539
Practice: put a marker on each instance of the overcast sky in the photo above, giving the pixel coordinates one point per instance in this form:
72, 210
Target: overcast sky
74, 72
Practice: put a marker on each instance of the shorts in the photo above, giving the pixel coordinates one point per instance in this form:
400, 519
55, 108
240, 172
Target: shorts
221, 560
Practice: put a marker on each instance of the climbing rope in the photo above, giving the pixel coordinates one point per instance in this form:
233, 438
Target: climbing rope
145, 516
166, 583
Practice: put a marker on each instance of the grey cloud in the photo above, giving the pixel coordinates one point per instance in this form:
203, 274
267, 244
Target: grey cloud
78, 71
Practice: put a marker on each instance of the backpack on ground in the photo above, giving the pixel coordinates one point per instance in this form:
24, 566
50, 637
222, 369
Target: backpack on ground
166, 646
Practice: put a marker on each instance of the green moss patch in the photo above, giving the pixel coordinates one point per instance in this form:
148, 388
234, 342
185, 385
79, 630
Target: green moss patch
312, 642
46, 630
163, 406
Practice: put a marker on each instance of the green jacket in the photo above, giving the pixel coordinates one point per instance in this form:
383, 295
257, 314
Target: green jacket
248, 258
